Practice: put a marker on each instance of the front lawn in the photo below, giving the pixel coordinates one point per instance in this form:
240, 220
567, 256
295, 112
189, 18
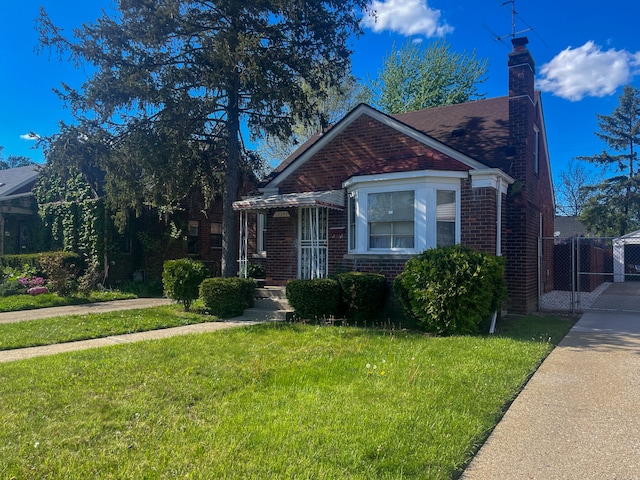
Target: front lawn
14, 303
268, 401
71, 328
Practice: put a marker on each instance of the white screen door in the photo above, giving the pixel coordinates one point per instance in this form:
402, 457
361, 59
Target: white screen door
313, 242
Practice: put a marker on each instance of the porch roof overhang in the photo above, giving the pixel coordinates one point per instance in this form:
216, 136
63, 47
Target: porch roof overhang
330, 198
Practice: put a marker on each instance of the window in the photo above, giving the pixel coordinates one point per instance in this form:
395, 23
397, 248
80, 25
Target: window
445, 218
390, 217
215, 240
261, 245
193, 245
403, 213
352, 222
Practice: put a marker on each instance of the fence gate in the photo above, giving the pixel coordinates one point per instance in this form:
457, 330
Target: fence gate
590, 273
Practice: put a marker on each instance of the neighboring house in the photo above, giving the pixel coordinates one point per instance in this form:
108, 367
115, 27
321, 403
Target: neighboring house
18, 210
569, 226
375, 190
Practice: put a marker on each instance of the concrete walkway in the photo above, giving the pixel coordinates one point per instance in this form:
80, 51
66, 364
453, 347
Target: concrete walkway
579, 415
118, 305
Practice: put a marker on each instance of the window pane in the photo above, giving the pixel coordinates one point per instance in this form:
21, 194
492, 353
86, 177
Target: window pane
352, 223
446, 234
391, 206
402, 242
380, 228
403, 228
446, 205
380, 242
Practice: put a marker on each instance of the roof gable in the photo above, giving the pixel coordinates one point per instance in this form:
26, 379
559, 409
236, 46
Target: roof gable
319, 141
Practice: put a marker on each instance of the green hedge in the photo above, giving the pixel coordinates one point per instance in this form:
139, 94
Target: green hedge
362, 295
314, 299
34, 260
451, 290
181, 280
227, 297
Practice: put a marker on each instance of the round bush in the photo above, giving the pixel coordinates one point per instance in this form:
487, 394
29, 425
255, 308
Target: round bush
451, 290
181, 280
362, 295
313, 299
227, 297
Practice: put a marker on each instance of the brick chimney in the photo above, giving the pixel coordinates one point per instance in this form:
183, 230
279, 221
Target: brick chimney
523, 212
521, 107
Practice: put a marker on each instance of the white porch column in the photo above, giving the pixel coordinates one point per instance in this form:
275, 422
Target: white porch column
242, 244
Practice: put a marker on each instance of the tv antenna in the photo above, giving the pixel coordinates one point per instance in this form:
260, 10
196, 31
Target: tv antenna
514, 33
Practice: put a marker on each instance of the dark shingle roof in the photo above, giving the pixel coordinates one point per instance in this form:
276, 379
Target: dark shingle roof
16, 180
478, 129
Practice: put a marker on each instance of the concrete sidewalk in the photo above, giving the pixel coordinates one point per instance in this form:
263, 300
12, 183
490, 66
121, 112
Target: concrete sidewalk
117, 305
579, 415
100, 307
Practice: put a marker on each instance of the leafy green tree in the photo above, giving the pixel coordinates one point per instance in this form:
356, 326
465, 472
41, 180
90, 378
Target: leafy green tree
413, 78
614, 207
14, 161
573, 189
175, 82
330, 104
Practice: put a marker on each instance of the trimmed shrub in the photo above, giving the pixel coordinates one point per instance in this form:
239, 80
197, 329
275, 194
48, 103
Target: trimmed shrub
34, 260
181, 280
227, 297
61, 270
314, 299
451, 290
255, 270
362, 295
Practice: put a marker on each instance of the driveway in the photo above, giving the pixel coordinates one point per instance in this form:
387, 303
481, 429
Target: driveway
579, 415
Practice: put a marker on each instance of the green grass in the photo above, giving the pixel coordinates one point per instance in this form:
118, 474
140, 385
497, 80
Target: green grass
269, 401
82, 327
14, 303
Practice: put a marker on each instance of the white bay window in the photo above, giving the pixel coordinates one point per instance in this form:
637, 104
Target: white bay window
403, 213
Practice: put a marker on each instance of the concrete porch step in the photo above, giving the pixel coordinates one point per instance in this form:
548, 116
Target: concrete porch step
269, 304
270, 292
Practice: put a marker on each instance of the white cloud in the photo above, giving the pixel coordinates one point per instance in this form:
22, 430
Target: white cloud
588, 70
30, 136
406, 17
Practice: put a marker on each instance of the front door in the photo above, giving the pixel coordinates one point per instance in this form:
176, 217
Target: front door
313, 242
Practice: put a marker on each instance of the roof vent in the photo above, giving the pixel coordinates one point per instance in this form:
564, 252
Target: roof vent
458, 132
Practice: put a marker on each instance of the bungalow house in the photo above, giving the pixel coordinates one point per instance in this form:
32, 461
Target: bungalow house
18, 210
376, 189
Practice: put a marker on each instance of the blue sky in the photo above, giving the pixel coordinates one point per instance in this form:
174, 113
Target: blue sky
585, 51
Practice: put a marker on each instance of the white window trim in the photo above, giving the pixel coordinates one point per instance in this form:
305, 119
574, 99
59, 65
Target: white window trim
260, 234
425, 221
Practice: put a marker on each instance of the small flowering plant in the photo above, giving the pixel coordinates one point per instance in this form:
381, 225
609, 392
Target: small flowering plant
30, 282
19, 281
374, 370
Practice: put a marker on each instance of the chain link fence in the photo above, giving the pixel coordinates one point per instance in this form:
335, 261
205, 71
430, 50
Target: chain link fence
590, 273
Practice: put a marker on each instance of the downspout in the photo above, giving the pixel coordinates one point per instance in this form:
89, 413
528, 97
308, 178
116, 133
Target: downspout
492, 328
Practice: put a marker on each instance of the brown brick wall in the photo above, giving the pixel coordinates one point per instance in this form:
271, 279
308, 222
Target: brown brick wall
531, 196
365, 147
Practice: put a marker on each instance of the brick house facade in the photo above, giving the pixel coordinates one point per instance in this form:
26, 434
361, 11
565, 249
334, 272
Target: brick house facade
374, 190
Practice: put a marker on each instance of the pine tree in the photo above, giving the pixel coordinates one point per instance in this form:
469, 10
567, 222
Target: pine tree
614, 208
178, 84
